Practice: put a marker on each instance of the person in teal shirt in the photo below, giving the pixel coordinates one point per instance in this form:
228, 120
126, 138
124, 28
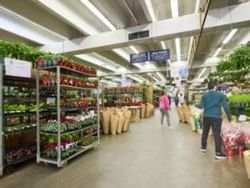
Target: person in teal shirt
212, 103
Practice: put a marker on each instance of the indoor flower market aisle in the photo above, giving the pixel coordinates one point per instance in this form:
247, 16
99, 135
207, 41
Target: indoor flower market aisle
148, 156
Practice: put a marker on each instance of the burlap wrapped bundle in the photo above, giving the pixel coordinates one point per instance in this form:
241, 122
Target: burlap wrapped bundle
149, 110
121, 121
105, 117
143, 109
127, 115
114, 121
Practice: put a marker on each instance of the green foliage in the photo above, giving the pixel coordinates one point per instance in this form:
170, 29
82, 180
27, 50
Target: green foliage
24, 52
235, 67
236, 99
241, 58
19, 51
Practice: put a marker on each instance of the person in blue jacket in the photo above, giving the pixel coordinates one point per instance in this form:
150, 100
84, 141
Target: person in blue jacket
212, 102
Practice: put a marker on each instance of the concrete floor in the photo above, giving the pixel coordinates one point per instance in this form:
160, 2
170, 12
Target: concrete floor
148, 156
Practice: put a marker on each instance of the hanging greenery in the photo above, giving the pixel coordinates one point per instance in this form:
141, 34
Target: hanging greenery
234, 67
20, 51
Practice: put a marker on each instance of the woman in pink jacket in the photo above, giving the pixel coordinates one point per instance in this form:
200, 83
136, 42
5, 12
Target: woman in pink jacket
164, 107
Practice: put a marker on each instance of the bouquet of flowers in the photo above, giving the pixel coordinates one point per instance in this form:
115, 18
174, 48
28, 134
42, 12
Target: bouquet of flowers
232, 135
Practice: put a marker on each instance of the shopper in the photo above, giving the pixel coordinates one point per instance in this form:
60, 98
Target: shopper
212, 102
169, 99
164, 107
182, 99
176, 100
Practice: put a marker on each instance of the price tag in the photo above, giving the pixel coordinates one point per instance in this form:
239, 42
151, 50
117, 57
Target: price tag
51, 101
19, 68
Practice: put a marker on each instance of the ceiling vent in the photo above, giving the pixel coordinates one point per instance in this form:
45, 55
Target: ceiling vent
138, 35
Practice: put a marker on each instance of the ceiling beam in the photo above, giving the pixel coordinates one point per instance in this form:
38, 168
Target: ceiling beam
188, 25
158, 69
23, 27
131, 13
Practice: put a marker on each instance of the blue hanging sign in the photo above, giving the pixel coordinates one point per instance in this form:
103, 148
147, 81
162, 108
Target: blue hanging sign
139, 58
159, 55
183, 72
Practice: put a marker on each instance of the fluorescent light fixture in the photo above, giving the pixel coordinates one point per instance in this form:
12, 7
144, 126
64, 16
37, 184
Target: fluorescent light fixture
155, 79
174, 8
229, 36
66, 13
197, 6
150, 9
90, 58
178, 49
113, 78
99, 73
21, 26
101, 61
217, 52
161, 76
122, 53
156, 87
134, 49
202, 72
135, 78
108, 82
245, 39
138, 66
163, 45
98, 14
96, 61
110, 67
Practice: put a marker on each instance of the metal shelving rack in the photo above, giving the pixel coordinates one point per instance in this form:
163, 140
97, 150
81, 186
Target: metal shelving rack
1, 117
119, 94
59, 161
12, 135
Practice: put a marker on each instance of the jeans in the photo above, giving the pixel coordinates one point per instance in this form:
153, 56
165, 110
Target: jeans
215, 123
165, 112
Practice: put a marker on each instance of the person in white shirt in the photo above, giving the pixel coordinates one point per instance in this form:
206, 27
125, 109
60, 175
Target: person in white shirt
182, 99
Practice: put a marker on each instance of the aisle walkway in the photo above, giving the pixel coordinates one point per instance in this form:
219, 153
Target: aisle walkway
148, 156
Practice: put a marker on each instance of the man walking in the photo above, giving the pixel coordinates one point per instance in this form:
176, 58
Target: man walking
211, 102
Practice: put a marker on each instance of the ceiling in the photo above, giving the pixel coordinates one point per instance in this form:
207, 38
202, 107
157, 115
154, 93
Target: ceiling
40, 22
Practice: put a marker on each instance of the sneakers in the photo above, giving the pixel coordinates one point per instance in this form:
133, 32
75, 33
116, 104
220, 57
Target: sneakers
203, 150
220, 156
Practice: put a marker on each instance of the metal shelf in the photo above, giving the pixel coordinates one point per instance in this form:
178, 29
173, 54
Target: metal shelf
53, 68
64, 161
46, 160
26, 158
65, 109
84, 148
91, 134
19, 113
120, 93
21, 130
74, 87
68, 132
69, 87
58, 89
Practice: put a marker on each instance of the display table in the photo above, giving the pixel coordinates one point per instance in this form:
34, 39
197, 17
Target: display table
135, 111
